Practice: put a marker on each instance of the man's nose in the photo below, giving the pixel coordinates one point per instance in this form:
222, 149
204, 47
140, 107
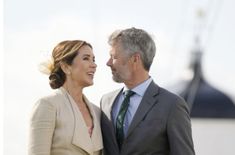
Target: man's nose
109, 62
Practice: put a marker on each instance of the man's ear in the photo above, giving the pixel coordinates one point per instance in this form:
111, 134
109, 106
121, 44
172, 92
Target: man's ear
136, 57
135, 61
65, 68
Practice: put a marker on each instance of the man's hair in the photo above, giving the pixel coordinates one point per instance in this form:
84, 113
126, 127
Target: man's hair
133, 40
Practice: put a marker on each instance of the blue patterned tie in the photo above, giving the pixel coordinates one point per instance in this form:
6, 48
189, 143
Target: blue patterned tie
121, 116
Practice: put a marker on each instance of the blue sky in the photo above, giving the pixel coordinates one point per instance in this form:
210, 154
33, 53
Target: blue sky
33, 28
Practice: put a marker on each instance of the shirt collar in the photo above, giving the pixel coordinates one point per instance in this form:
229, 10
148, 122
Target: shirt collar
141, 88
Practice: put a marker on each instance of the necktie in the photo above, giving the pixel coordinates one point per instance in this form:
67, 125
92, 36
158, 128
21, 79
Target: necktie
121, 116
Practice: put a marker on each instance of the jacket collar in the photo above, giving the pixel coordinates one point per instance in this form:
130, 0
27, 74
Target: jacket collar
148, 101
81, 137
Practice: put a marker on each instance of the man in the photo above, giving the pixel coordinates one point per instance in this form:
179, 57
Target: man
150, 120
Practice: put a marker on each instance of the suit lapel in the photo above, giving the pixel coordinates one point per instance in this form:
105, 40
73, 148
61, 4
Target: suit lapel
148, 101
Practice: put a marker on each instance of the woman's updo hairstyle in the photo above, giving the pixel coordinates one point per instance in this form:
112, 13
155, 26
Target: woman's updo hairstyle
64, 52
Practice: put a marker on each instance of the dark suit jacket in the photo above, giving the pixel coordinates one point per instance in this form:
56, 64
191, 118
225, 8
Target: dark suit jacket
161, 125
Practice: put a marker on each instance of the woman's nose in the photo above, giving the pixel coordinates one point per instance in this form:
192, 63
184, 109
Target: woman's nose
94, 65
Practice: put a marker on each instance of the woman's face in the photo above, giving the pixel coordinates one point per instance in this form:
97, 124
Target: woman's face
83, 67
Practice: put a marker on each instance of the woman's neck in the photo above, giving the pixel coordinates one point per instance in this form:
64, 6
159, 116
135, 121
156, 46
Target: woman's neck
74, 91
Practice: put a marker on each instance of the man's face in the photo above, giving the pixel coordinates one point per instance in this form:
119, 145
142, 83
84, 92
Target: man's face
119, 64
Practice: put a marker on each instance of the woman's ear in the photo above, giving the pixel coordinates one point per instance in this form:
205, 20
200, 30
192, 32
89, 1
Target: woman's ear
65, 68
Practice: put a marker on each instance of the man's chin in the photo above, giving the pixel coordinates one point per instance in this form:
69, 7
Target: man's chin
117, 80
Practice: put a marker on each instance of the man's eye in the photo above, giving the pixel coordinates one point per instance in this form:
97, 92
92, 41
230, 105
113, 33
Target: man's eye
113, 57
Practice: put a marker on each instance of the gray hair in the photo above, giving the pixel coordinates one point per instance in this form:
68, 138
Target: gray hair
133, 41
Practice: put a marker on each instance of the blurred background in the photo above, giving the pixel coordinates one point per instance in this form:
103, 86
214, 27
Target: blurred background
33, 28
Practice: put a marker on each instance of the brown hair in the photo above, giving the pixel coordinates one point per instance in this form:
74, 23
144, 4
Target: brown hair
65, 52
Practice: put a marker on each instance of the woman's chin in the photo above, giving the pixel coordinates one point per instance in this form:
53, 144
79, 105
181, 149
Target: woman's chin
90, 83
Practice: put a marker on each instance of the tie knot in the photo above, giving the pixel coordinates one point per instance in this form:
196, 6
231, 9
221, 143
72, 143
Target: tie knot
129, 93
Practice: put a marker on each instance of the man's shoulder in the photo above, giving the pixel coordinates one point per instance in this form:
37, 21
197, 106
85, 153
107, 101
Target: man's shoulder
165, 93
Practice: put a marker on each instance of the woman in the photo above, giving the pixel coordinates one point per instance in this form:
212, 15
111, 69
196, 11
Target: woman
65, 122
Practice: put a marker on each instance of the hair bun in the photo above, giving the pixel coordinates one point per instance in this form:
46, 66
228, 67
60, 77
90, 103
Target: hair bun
56, 81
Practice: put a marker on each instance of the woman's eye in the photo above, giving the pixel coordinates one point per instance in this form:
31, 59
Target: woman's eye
89, 59
85, 58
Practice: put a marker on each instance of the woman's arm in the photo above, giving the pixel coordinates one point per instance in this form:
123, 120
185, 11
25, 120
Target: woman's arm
42, 125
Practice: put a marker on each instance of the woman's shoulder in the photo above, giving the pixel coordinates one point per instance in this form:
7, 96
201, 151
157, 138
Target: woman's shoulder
95, 107
47, 105
52, 99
